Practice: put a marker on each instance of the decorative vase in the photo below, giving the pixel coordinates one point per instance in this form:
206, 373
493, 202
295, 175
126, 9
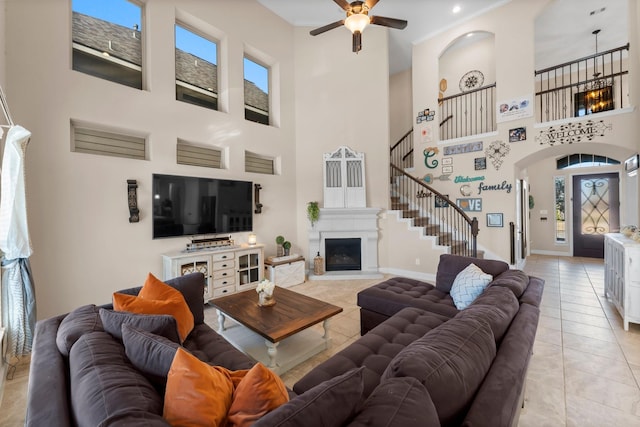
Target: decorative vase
286, 251
265, 300
279, 250
318, 265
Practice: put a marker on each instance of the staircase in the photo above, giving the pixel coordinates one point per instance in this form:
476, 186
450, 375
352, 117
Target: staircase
434, 212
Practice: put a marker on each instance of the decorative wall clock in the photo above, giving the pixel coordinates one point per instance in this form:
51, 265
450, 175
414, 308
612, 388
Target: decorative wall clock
471, 80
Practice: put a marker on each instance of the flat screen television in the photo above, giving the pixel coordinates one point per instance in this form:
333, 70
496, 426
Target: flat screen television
185, 206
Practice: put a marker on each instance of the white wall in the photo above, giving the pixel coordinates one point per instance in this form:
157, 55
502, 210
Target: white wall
342, 98
84, 246
463, 56
400, 105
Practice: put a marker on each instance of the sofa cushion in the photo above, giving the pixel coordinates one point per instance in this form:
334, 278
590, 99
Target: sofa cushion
207, 389
516, 280
209, 346
450, 265
451, 361
156, 297
496, 305
80, 321
396, 293
105, 385
374, 350
150, 353
258, 392
533, 294
330, 403
468, 284
397, 402
191, 286
159, 324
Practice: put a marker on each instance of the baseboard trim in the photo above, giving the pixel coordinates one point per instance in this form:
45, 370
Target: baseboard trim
551, 253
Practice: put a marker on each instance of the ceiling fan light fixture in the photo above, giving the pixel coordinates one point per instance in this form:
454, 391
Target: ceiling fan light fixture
357, 22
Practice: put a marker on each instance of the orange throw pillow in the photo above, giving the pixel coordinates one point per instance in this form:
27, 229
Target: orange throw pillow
258, 393
156, 297
197, 394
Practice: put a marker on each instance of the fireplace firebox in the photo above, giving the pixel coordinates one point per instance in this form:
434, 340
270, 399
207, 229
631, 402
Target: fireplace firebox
342, 254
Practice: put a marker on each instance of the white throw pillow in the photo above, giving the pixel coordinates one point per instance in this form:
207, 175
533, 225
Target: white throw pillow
469, 283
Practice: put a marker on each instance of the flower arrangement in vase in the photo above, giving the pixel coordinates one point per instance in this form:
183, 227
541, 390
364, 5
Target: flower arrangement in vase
265, 293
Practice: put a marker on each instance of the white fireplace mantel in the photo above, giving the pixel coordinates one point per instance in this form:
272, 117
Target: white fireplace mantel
344, 223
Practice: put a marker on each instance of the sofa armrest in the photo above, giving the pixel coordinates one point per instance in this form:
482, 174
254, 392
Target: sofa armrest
48, 390
499, 399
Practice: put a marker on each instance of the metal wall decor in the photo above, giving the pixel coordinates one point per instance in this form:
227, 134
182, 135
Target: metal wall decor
471, 80
573, 132
497, 151
425, 115
429, 178
504, 186
132, 200
463, 148
428, 153
458, 179
256, 197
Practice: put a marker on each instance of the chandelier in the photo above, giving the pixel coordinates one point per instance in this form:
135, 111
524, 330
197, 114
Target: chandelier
598, 91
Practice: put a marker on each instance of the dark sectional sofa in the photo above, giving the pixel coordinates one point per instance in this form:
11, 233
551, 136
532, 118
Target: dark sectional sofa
473, 363
420, 362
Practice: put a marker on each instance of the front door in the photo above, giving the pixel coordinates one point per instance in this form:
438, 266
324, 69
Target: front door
596, 203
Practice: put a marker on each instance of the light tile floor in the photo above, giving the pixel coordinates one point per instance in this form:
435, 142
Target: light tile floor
584, 372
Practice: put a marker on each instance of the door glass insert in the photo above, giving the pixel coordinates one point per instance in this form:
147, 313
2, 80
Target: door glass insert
594, 202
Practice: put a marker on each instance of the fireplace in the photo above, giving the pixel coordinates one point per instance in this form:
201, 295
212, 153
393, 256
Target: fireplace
342, 254
354, 231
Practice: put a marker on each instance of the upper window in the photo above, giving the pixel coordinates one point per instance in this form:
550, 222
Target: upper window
196, 68
256, 92
581, 160
107, 40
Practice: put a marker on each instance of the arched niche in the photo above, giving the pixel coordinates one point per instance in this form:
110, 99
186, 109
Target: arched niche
474, 51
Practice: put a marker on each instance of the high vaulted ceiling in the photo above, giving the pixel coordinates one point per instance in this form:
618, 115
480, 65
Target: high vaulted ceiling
563, 30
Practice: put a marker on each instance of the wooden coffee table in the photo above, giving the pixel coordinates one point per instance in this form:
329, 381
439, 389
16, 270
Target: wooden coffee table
278, 336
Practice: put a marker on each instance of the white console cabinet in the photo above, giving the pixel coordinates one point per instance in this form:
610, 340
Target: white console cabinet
227, 270
622, 276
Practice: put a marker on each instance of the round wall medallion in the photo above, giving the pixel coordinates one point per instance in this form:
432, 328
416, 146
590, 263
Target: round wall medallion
465, 190
471, 80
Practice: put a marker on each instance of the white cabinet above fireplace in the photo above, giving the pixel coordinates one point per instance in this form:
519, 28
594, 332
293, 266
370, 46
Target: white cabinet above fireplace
344, 180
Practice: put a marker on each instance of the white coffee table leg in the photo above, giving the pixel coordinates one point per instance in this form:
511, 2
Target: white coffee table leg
272, 351
325, 326
221, 319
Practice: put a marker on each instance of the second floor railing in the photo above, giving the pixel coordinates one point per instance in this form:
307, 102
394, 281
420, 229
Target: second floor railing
468, 113
588, 85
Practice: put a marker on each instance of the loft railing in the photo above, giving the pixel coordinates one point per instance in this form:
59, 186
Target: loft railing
402, 151
435, 212
468, 113
588, 85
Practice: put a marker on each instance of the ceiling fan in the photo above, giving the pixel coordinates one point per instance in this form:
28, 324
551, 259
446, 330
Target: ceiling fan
357, 19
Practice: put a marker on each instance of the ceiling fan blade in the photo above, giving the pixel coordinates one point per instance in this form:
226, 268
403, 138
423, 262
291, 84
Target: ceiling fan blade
327, 28
389, 22
371, 3
343, 4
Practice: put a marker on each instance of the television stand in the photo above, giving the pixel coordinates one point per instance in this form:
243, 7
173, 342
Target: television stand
227, 269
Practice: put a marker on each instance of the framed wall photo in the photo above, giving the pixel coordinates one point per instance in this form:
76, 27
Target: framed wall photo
480, 163
517, 134
494, 220
447, 170
447, 161
439, 202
